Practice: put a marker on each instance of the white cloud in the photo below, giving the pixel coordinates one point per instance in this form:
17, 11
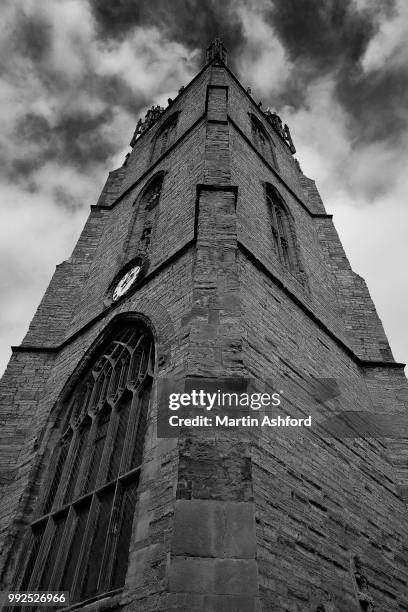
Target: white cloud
35, 235
263, 64
365, 186
146, 61
374, 238
389, 45
320, 130
72, 31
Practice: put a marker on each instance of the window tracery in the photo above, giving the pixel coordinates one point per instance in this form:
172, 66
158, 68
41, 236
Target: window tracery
80, 540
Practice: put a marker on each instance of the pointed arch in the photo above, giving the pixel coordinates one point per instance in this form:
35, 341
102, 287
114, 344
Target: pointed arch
262, 140
164, 137
150, 195
80, 538
143, 223
282, 229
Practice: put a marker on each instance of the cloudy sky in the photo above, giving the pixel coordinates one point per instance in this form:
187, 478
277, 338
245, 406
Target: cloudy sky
76, 75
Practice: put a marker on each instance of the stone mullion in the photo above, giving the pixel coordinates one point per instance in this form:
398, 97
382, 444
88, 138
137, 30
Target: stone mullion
69, 462
83, 556
23, 558
107, 448
42, 555
134, 352
44, 496
133, 423
82, 468
95, 390
83, 474
59, 559
66, 540
111, 541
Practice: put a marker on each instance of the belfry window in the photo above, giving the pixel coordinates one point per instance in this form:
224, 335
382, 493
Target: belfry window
144, 220
261, 140
282, 231
80, 540
151, 194
165, 137
149, 211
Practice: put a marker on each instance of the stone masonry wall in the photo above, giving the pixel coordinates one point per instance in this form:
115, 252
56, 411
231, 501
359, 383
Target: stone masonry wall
320, 498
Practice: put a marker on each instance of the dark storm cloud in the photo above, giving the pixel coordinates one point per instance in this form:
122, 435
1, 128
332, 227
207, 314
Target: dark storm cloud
320, 38
330, 37
75, 139
193, 23
73, 135
326, 33
114, 90
32, 36
377, 103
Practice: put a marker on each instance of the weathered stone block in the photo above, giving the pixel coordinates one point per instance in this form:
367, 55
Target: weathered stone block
218, 576
214, 529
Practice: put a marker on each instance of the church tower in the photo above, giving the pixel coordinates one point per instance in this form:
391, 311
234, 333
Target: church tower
208, 255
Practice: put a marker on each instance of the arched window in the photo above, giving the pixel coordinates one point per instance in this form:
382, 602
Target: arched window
282, 231
142, 227
149, 212
80, 540
151, 194
165, 137
262, 140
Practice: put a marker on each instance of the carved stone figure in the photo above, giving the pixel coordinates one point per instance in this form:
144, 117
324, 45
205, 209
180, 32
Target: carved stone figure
216, 49
142, 126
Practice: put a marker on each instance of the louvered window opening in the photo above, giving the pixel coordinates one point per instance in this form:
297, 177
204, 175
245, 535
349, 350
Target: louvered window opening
80, 543
280, 231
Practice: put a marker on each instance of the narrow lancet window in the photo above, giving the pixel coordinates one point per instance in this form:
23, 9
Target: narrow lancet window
165, 137
143, 225
262, 140
282, 229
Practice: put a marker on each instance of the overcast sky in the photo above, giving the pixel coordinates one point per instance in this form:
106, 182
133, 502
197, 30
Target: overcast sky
76, 75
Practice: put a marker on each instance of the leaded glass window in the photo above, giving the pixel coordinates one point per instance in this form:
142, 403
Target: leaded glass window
80, 540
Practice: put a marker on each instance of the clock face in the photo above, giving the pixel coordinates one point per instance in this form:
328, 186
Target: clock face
126, 282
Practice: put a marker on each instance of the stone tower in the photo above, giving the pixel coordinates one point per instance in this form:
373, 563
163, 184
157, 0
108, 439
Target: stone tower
208, 254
